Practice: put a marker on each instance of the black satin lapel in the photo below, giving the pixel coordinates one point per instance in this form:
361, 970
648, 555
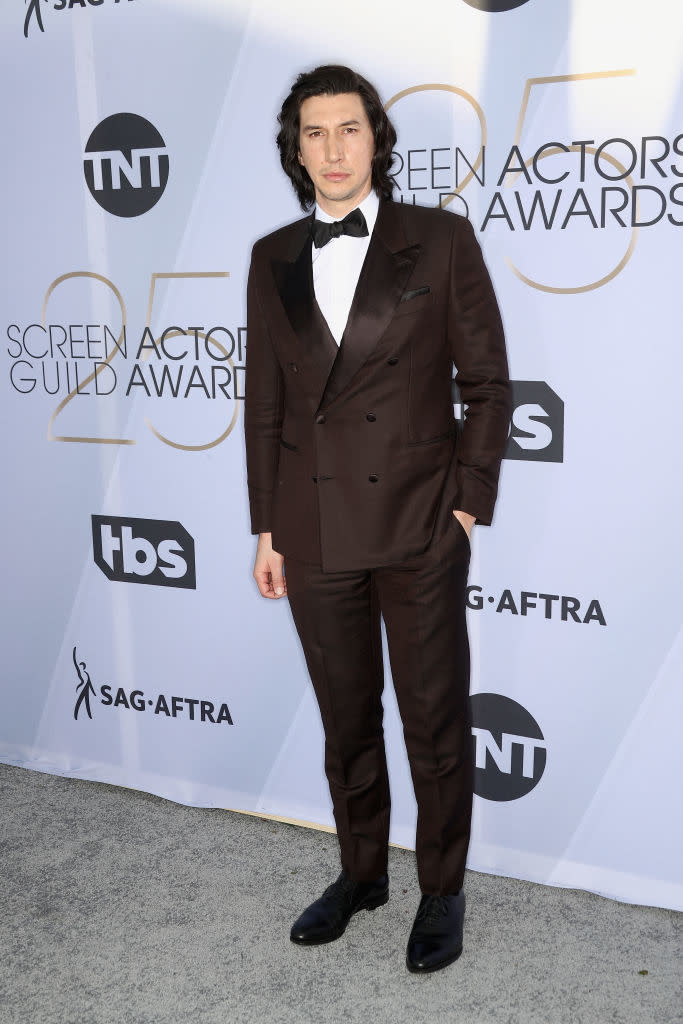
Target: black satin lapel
380, 286
294, 282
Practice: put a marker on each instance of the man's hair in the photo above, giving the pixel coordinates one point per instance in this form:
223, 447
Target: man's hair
332, 80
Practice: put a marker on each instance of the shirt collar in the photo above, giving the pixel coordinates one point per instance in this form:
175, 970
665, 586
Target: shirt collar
369, 208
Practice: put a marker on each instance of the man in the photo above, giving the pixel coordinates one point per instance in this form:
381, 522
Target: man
361, 492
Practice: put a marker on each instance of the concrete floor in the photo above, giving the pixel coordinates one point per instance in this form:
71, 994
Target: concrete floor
119, 906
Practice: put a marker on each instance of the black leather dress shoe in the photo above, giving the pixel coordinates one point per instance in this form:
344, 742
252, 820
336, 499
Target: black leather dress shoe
327, 918
436, 936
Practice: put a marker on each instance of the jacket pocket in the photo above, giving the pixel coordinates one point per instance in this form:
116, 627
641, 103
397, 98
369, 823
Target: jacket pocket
413, 293
414, 301
288, 446
447, 436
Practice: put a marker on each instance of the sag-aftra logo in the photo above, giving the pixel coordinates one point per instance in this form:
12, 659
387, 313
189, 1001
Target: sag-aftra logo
35, 10
192, 709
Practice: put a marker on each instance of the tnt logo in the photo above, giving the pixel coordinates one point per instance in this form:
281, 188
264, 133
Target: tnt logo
126, 165
496, 6
509, 749
144, 551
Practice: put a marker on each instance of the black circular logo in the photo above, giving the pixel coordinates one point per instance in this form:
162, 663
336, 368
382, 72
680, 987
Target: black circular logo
496, 6
508, 748
126, 165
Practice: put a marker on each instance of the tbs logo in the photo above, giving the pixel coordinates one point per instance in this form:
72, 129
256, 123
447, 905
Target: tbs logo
149, 551
537, 426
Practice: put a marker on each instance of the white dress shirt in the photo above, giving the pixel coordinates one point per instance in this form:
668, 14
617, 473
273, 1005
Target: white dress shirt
337, 267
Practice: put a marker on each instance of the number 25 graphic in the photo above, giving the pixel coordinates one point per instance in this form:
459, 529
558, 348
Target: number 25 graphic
52, 436
532, 83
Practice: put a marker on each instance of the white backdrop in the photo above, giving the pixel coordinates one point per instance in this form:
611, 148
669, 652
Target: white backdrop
576, 599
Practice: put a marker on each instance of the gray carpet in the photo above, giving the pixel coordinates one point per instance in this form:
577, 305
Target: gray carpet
122, 907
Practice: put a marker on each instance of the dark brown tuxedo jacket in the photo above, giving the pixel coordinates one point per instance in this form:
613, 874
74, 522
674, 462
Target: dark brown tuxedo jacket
353, 456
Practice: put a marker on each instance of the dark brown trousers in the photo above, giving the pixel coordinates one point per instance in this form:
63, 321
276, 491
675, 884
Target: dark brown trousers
337, 616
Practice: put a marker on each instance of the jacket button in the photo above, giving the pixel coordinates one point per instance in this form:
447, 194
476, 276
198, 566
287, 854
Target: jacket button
373, 479
371, 417
392, 360
320, 418
294, 368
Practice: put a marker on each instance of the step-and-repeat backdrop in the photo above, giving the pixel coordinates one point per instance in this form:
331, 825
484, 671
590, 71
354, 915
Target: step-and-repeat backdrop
139, 167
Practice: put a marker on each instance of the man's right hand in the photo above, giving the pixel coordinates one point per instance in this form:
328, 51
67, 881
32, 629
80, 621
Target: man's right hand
268, 568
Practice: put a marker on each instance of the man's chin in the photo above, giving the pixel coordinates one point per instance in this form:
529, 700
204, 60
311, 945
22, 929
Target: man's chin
340, 195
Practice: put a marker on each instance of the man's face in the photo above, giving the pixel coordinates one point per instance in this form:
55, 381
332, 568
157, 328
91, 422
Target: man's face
336, 146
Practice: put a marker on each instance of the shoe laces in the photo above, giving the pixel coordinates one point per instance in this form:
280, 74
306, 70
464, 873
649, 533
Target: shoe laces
432, 910
342, 887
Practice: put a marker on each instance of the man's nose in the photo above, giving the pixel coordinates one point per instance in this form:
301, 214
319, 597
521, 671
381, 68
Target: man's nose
333, 149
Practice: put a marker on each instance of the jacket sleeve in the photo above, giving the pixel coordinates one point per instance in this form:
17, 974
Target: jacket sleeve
263, 409
478, 350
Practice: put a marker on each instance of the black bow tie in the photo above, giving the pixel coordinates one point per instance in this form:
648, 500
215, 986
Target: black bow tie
352, 224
